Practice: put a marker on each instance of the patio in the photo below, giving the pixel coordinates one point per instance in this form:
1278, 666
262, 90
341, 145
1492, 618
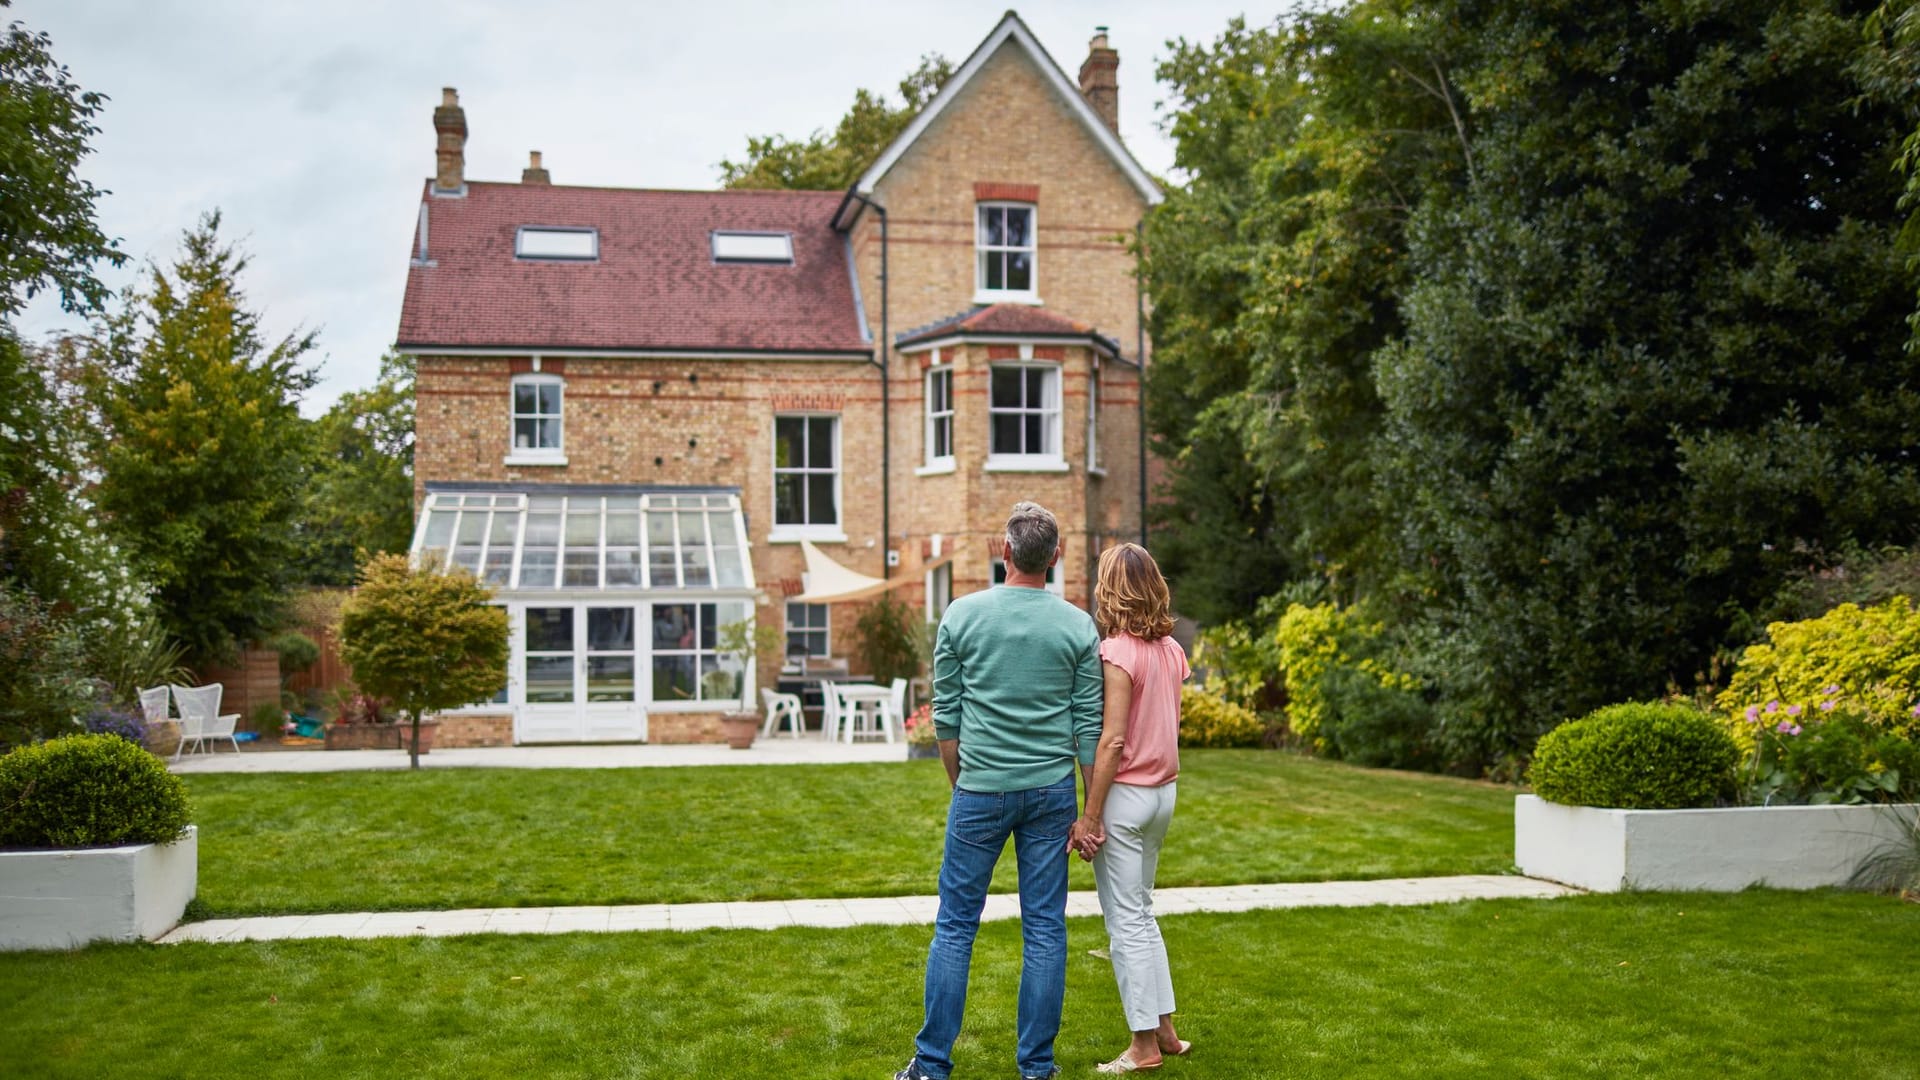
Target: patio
782, 749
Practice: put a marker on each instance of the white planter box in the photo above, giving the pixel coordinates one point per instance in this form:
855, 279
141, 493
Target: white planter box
65, 899
1718, 850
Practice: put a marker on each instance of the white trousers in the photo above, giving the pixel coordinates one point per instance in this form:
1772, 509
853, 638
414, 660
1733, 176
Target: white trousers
1136, 821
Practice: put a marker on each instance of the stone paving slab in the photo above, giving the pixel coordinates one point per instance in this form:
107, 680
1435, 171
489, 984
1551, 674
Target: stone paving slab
860, 911
778, 750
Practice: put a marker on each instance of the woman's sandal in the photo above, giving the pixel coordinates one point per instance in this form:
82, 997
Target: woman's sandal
1185, 1048
1124, 1064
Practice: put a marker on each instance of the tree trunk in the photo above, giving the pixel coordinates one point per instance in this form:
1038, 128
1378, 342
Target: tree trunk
413, 746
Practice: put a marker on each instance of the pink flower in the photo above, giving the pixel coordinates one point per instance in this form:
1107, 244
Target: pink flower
1787, 727
1753, 714
1826, 706
1793, 710
1772, 707
1830, 690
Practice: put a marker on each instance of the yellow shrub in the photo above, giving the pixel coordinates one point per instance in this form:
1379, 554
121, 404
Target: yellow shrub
1209, 720
1315, 642
1869, 656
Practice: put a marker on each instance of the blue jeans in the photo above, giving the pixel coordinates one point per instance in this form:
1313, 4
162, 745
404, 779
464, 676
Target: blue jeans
978, 824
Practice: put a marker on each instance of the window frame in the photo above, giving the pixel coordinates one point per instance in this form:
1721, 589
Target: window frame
934, 419
981, 252
824, 630
520, 243
1056, 581
1050, 458
831, 532
536, 455
713, 247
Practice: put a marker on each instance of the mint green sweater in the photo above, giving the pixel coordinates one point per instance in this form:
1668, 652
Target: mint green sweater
1016, 678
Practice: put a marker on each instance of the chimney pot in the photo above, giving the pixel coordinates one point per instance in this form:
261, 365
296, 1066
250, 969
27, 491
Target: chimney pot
450, 130
1100, 80
534, 173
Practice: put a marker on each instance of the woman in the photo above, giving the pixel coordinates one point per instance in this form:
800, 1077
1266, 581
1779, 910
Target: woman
1130, 798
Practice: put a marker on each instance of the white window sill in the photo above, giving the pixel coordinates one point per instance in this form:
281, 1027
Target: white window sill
536, 459
992, 296
937, 468
1096, 471
1026, 463
819, 534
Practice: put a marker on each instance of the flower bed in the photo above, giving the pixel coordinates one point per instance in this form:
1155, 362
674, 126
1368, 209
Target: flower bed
63, 899
1717, 849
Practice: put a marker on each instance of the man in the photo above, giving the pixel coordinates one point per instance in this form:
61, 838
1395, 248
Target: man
1017, 692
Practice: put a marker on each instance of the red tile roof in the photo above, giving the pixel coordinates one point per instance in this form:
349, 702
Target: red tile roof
1005, 320
654, 286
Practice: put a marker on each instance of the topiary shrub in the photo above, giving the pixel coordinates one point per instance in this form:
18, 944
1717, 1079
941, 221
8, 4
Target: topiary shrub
88, 791
1636, 757
1208, 720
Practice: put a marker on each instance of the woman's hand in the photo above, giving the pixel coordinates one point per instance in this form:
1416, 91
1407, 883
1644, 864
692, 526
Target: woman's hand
1086, 836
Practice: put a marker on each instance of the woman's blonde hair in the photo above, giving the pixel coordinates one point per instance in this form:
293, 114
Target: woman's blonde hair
1130, 596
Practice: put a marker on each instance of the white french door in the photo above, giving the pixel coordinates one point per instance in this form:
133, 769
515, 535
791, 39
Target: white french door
582, 664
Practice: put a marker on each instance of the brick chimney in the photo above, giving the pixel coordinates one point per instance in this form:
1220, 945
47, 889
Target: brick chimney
534, 173
1100, 79
450, 124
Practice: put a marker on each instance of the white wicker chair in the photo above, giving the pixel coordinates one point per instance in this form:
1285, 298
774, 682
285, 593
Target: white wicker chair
200, 717
154, 707
779, 706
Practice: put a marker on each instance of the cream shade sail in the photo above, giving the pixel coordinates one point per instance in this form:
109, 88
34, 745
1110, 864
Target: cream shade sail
828, 582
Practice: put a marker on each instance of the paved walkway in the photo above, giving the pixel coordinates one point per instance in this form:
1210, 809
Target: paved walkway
902, 910
778, 750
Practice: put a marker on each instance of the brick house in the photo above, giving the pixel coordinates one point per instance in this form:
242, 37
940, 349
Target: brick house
640, 411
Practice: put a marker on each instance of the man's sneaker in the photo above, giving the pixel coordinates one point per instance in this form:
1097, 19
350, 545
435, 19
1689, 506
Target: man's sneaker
1048, 1076
911, 1072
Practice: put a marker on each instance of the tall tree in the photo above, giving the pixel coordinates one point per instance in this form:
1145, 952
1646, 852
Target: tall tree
48, 236
1653, 352
1275, 272
359, 494
200, 444
829, 161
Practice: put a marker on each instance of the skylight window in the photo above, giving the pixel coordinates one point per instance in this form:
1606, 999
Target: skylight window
551, 243
753, 247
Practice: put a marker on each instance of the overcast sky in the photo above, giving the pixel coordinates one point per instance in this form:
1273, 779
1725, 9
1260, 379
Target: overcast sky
310, 125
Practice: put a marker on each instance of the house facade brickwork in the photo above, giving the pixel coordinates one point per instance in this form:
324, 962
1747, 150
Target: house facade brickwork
588, 355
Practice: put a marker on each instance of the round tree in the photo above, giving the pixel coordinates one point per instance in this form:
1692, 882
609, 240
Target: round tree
423, 640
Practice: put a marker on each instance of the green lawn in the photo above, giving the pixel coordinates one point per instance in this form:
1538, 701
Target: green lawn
511, 837
1751, 985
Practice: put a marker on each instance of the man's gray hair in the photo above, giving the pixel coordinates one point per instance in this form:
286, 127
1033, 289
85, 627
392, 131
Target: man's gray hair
1032, 536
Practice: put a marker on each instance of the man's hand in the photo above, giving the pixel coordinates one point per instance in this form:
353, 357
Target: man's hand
1086, 836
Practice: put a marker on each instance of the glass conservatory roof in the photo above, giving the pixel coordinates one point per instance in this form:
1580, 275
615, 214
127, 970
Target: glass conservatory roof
587, 539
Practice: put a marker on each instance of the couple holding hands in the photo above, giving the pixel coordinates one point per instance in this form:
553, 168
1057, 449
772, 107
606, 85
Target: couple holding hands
1026, 686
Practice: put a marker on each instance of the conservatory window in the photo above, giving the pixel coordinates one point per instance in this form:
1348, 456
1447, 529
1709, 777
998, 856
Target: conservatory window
552, 541
687, 663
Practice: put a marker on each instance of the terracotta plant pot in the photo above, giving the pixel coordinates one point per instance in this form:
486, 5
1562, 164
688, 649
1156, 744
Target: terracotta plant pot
740, 728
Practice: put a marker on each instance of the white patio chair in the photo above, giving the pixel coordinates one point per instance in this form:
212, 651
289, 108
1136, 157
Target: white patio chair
830, 709
895, 719
200, 717
779, 706
154, 705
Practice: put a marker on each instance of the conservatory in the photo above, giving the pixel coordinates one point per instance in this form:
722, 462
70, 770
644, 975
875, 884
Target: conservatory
615, 595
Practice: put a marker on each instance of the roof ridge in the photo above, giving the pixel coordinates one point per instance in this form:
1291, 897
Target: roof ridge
516, 184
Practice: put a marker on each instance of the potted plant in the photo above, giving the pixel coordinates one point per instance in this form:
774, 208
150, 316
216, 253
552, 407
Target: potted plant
920, 740
745, 639
95, 843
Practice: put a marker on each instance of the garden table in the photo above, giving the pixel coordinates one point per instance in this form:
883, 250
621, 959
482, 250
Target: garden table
870, 700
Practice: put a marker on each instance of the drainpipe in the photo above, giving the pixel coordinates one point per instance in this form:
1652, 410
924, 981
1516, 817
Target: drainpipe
883, 355
1140, 354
